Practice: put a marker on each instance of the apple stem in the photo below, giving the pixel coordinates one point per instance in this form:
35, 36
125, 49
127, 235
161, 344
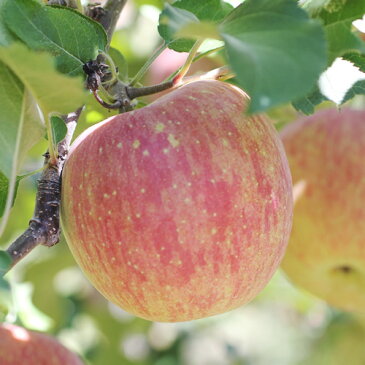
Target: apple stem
207, 53
44, 227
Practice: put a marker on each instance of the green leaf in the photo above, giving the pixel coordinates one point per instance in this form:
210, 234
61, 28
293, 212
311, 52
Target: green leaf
52, 91
4, 286
120, 62
59, 129
338, 27
4, 189
28, 313
73, 38
5, 262
265, 46
357, 59
209, 10
20, 129
5, 35
28, 81
6, 298
11, 102
191, 18
315, 6
204, 29
171, 20
307, 104
357, 89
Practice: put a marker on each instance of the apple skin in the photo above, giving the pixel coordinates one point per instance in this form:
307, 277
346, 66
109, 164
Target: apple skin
326, 252
20, 346
181, 209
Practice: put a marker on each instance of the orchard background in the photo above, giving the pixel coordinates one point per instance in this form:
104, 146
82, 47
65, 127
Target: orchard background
292, 58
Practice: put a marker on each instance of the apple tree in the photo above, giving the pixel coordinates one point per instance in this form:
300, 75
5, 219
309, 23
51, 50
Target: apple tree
175, 209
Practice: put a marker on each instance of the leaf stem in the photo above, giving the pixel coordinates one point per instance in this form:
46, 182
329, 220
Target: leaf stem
207, 53
147, 65
196, 58
185, 68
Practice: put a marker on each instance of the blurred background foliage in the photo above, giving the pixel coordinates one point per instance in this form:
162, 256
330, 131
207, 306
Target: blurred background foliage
48, 292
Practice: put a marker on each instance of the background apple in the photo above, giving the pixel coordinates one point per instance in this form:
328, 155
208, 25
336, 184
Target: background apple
20, 346
181, 209
326, 253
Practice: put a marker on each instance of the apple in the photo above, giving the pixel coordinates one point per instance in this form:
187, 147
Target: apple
326, 252
20, 346
181, 209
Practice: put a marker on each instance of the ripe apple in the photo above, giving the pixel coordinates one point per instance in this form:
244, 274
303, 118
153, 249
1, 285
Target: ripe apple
181, 209
20, 346
326, 252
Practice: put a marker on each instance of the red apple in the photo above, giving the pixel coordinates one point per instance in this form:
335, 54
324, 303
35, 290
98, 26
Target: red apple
20, 346
326, 252
181, 209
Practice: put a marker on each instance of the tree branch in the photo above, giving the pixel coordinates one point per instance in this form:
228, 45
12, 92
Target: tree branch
109, 17
44, 227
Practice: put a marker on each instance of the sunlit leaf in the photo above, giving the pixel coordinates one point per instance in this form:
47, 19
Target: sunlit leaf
29, 81
52, 91
307, 104
29, 314
4, 190
357, 59
5, 261
59, 129
120, 62
191, 19
264, 41
338, 27
357, 89
72, 37
5, 35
